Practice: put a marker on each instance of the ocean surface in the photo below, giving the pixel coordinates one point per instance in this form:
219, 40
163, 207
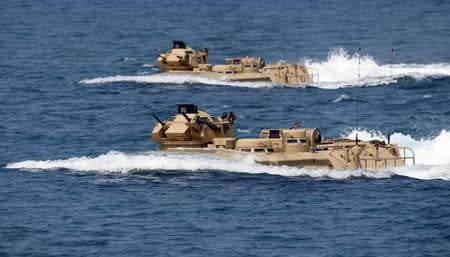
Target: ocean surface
80, 177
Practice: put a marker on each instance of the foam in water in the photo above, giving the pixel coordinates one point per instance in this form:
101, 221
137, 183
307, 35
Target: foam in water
117, 162
342, 97
432, 158
432, 155
243, 131
339, 70
428, 151
174, 79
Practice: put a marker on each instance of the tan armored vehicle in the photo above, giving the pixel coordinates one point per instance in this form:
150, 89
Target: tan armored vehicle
182, 59
193, 130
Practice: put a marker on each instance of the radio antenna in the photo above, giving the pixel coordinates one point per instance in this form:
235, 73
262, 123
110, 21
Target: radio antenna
390, 99
357, 95
283, 29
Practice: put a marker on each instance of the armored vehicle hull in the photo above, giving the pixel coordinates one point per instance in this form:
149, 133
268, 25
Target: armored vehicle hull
242, 77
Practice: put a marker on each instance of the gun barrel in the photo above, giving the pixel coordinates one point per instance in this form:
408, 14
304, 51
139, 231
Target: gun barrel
186, 117
209, 124
159, 121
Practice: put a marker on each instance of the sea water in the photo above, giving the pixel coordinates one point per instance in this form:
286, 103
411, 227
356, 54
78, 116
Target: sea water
80, 177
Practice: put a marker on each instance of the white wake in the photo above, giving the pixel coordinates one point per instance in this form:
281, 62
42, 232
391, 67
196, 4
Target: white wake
173, 79
432, 154
118, 162
433, 162
339, 70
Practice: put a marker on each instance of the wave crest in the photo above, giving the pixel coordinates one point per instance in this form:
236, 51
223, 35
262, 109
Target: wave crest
341, 70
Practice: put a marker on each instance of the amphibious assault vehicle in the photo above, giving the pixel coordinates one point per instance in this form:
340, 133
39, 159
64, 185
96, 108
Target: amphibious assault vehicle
182, 59
194, 130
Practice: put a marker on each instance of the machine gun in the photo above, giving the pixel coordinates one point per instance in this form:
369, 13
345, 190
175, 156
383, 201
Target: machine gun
207, 123
203, 51
230, 117
201, 121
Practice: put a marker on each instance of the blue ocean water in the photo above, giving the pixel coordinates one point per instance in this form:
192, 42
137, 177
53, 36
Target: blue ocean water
79, 175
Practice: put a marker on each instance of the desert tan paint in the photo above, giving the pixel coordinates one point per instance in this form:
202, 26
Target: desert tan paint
182, 59
296, 146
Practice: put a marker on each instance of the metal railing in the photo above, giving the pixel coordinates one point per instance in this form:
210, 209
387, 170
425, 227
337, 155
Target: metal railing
385, 160
314, 74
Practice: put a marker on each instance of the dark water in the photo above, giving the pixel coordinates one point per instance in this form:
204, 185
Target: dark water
103, 190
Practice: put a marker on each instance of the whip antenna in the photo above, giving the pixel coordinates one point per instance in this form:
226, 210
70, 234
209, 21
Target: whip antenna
357, 95
390, 99
284, 30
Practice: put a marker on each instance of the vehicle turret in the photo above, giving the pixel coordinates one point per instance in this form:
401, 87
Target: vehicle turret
182, 58
192, 128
